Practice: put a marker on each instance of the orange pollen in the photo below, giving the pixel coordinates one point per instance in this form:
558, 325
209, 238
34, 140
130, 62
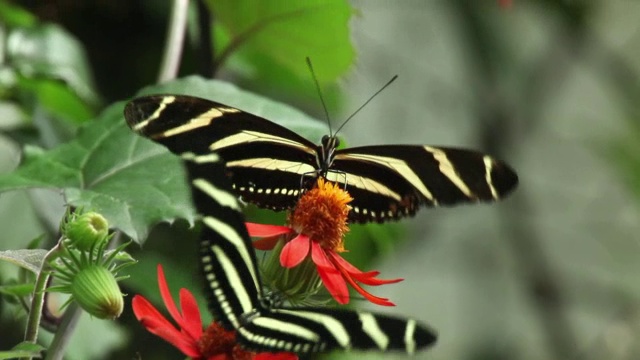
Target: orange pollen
321, 214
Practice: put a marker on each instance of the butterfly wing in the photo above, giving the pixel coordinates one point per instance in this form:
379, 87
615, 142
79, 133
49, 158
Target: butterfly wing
265, 161
388, 182
308, 330
234, 288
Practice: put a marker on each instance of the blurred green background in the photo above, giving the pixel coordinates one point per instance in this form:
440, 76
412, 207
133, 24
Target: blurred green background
551, 87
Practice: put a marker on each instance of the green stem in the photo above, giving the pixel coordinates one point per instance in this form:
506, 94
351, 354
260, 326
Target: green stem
37, 301
65, 330
175, 40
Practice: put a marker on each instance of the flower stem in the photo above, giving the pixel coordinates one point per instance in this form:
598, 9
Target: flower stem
37, 300
65, 330
175, 41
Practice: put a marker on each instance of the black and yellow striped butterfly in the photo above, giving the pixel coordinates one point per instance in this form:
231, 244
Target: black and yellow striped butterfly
271, 166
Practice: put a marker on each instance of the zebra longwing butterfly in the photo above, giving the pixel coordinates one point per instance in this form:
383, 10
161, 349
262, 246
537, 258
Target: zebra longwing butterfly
270, 165
235, 294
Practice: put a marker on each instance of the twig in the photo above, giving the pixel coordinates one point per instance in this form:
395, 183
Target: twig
205, 44
65, 331
37, 300
175, 41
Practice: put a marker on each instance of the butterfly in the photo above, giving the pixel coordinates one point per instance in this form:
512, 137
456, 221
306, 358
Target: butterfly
235, 292
271, 166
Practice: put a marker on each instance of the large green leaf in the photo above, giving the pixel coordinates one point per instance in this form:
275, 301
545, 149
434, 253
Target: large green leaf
133, 182
282, 33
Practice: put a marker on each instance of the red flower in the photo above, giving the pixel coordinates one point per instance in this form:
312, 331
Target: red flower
318, 224
215, 343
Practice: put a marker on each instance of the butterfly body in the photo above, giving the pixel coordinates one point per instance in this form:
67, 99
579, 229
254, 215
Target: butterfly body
271, 166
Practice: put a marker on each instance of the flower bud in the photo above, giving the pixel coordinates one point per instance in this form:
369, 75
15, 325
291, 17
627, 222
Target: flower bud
86, 230
96, 291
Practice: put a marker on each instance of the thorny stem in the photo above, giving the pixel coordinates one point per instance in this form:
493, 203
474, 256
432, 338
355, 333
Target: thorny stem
175, 41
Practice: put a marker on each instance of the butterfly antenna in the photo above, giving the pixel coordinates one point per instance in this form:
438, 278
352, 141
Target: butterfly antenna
324, 105
366, 102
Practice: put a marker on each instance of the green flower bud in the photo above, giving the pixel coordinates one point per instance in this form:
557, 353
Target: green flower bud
96, 291
86, 230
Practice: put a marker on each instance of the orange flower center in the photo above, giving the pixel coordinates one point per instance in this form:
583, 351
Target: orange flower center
321, 214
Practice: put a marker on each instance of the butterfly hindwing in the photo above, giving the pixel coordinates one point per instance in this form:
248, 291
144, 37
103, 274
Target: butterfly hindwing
234, 288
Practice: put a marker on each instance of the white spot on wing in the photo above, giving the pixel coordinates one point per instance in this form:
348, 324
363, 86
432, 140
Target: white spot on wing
286, 327
488, 167
371, 328
409, 340
247, 136
200, 159
221, 196
163, 104
195, 123
397, 165
333, 325
230, 234
448, 170
273, 164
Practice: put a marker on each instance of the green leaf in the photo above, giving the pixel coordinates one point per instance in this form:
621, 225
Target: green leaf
50, 52
109, 170
283, 33
12, 15
58, 99
131, 181
28, 259
24, 349
19, 290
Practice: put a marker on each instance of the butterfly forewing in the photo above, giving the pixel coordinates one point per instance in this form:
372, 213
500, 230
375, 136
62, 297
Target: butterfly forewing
264, 160
393, 181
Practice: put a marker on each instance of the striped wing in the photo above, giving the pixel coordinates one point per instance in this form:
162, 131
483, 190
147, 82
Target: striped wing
393, 181
264, 160
234, 289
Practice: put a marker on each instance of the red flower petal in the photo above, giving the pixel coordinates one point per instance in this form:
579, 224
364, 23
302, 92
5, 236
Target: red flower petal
143, 309
330, 276
346, 276
267, 243
276, 356
367, 278
374, 299
158, 325
295, 251
263, 230
192, 322
166, 296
